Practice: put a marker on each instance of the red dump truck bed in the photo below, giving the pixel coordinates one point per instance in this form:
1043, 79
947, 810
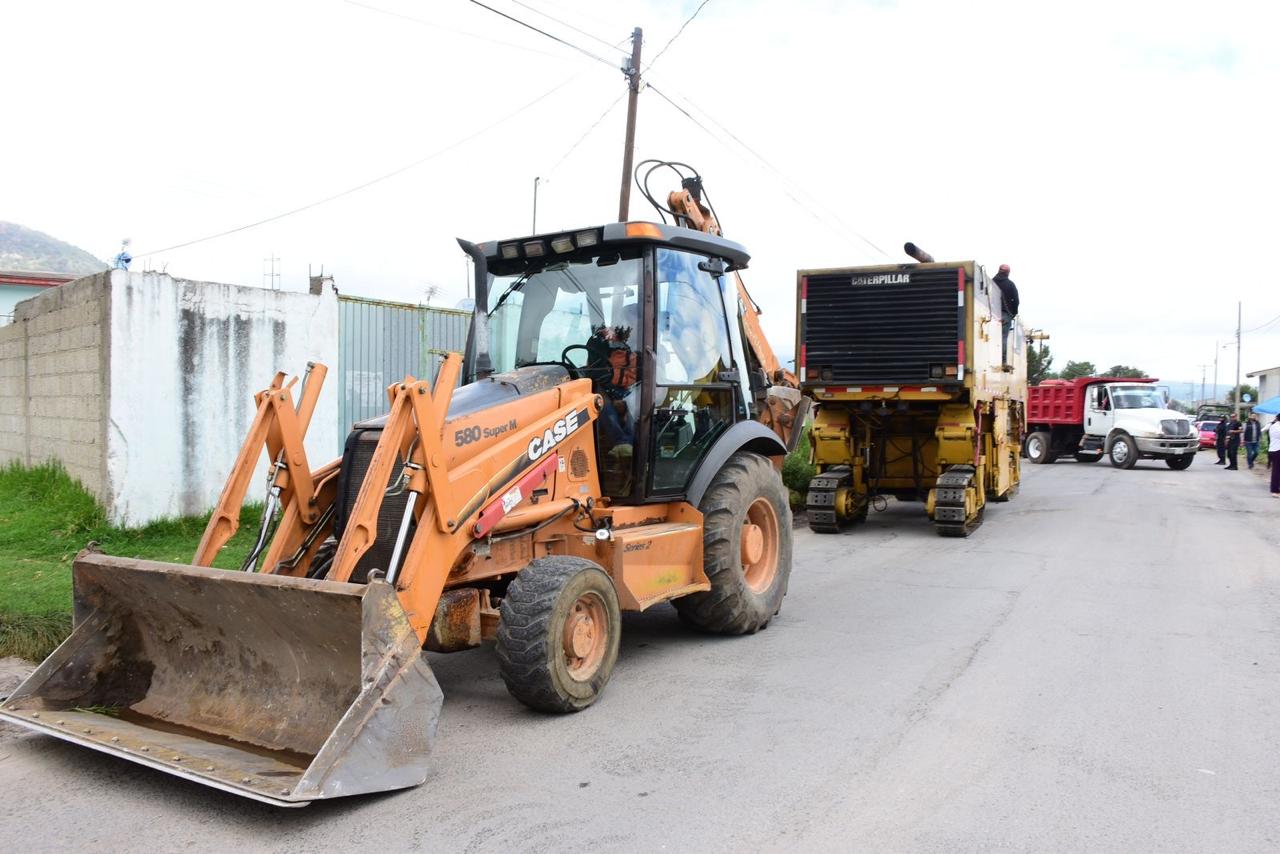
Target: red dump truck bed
1062, 401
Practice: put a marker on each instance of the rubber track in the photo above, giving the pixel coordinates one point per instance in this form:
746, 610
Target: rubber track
820, 501
952, 486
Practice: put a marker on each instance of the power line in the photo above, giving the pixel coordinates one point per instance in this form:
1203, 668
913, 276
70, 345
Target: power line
563, 23
437, 153
1265, 325
785, 182
578, 12
784, 178
568, 44
587, 132
688, 21
448, 29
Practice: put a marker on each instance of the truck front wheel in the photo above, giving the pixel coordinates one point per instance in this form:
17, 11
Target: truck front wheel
1038, 444
1180, 463
1123, 452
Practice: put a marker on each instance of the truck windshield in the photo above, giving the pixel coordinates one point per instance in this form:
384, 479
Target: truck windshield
1137, 397
539, 314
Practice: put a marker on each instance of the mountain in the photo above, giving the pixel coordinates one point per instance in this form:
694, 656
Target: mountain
28, 250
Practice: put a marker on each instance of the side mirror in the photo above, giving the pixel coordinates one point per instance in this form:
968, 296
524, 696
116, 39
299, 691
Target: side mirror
714, 266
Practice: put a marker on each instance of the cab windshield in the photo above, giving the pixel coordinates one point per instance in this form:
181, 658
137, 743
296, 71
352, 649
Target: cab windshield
1137, 397
549, 314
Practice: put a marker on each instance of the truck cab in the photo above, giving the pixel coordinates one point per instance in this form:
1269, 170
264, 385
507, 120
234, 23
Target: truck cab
1122, 411
1123, 419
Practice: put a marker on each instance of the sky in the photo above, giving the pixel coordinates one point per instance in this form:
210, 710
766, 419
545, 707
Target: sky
1120, 156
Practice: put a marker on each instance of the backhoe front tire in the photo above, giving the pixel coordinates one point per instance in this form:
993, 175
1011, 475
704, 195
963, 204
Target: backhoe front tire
558, 634
746, 541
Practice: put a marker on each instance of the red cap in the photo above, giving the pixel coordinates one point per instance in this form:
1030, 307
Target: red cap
1004, 268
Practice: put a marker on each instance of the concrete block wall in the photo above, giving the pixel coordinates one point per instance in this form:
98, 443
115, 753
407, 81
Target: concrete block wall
52, 381
13, 394
142, 384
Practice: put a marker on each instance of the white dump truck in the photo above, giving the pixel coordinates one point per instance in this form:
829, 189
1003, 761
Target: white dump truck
1121, 418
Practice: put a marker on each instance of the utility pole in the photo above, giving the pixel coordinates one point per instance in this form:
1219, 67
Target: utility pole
1217, 348
271, 279
1203, 368
535, 205
1239, 317
628, 150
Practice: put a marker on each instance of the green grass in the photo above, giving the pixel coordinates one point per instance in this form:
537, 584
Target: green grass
45, 519
797, 472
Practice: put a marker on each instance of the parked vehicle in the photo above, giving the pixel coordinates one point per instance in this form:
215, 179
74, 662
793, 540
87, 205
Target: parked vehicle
914, 397
1121, 418
1208, 434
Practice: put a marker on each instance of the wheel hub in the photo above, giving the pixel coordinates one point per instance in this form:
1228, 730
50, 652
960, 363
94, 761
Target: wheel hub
752, 543
759, 545
585, 636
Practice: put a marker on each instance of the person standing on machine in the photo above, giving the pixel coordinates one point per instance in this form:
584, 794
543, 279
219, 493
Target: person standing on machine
1009, 305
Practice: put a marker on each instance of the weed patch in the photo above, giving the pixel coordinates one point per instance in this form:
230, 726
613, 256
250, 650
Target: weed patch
46, 518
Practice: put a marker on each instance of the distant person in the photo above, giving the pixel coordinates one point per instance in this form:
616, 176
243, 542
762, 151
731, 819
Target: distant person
1220, 441
1252, 433
1008, 310
1234, 429
1273, 447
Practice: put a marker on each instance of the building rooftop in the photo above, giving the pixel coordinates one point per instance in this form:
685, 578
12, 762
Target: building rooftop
36, 278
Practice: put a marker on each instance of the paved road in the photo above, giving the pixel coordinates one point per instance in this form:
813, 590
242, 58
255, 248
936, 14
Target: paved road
1098, 669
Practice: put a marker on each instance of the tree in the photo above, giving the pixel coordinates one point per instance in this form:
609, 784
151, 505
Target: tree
1074, 370
1181, 406
1244, 389
1124, 371
1039, 363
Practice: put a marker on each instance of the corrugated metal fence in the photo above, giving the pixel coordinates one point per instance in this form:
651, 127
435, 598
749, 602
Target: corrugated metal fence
380, 342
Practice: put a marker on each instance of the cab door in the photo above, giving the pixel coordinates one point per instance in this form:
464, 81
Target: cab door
696, 393
1100, 411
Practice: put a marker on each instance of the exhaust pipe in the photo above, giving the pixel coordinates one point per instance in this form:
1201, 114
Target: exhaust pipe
478, 363
917, 253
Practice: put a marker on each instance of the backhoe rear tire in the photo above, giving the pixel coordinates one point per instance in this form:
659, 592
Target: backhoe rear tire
746, 541
558, 634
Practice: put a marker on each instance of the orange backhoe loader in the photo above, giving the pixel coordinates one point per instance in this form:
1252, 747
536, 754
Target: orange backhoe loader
610, 440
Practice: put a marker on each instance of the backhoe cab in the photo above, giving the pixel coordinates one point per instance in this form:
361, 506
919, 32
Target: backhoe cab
614, 444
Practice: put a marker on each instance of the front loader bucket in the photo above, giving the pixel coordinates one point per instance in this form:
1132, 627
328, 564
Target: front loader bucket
281, 689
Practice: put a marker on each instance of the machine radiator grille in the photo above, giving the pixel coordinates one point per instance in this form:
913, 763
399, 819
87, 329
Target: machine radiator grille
888, 333
355, 462
1175, 426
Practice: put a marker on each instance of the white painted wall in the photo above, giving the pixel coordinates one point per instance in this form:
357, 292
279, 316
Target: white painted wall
185, 360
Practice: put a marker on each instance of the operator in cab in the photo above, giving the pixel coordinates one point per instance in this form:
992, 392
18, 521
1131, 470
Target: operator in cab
612, 365
1008, 310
